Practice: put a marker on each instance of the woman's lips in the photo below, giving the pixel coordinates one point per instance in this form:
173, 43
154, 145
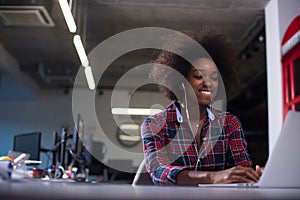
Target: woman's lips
205, 92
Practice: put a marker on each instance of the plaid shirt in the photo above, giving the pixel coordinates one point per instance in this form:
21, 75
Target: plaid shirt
170, 146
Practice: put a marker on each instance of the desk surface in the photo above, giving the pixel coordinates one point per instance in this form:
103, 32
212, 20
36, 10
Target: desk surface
45, 190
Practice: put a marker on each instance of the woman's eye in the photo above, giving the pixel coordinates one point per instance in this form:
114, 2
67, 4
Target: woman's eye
214, 78
198, 77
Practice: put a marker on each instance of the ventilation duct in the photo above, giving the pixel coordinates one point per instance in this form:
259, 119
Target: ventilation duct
56, 76
20, 15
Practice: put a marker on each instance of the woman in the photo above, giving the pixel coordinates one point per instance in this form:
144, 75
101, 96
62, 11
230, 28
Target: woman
190, 142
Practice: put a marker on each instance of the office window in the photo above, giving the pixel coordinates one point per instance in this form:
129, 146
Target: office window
291, 67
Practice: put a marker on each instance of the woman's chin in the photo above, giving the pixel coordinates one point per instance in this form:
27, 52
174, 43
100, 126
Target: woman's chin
204, 103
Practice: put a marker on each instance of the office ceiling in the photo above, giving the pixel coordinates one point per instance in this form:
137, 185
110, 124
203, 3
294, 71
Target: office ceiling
47, 60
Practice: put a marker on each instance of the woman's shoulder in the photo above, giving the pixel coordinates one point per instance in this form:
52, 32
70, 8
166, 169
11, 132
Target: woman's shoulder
163, 116
226, 115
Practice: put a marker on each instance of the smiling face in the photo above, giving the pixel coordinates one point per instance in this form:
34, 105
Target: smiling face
204, 80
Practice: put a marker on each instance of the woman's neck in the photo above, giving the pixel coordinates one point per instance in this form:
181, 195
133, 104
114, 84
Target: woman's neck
203, 112
195, 115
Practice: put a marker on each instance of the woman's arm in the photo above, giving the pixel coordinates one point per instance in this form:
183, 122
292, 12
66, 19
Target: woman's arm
238, 159
232, 175
157, 162
238, 151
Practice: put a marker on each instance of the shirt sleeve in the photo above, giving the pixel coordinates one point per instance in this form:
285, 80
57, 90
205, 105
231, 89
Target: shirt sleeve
155, 151
238, 152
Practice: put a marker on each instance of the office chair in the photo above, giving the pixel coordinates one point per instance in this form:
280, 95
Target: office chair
142, 177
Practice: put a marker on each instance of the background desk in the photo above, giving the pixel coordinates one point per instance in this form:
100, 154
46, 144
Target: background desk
47, 190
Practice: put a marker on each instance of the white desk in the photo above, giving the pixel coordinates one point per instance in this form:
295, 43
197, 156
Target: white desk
46, 190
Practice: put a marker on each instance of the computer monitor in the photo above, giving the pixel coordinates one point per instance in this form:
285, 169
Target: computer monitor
56, 148
78, 135
81, 152
28, 143
61, 148
84, 157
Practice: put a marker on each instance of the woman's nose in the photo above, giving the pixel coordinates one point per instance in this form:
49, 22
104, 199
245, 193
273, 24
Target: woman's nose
207, 82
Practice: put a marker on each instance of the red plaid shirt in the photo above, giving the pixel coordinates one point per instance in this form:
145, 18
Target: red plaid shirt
170, 145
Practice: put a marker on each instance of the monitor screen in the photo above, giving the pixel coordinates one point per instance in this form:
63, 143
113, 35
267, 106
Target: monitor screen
28, 143
56, 148
78, 135
79, 138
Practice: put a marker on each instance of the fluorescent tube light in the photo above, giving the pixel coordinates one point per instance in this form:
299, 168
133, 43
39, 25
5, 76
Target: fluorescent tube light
130, 138
89, 77
129, 127
134, 111
80, 51
68, 15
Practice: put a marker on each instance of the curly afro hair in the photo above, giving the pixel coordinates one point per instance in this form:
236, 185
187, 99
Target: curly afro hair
218, 47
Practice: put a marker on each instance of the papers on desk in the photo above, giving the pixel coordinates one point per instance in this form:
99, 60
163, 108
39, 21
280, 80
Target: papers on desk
33, 162
20, 174
5, 169
16, 171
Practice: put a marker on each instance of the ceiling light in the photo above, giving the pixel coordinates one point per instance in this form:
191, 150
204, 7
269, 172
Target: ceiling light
89, 77
68, 15
129, 127
80, 51
134, 111
130, 138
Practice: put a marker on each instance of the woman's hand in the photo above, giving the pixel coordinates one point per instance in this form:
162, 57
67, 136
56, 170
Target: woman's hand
235, 175
259, 170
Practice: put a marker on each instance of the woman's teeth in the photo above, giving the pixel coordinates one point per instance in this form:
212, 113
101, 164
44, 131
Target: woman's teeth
206, 92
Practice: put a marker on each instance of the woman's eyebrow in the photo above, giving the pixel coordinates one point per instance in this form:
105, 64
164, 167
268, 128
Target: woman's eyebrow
203, 70
198, 70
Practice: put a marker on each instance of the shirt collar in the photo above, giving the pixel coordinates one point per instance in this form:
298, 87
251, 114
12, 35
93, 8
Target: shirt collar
210, 114
179, 116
